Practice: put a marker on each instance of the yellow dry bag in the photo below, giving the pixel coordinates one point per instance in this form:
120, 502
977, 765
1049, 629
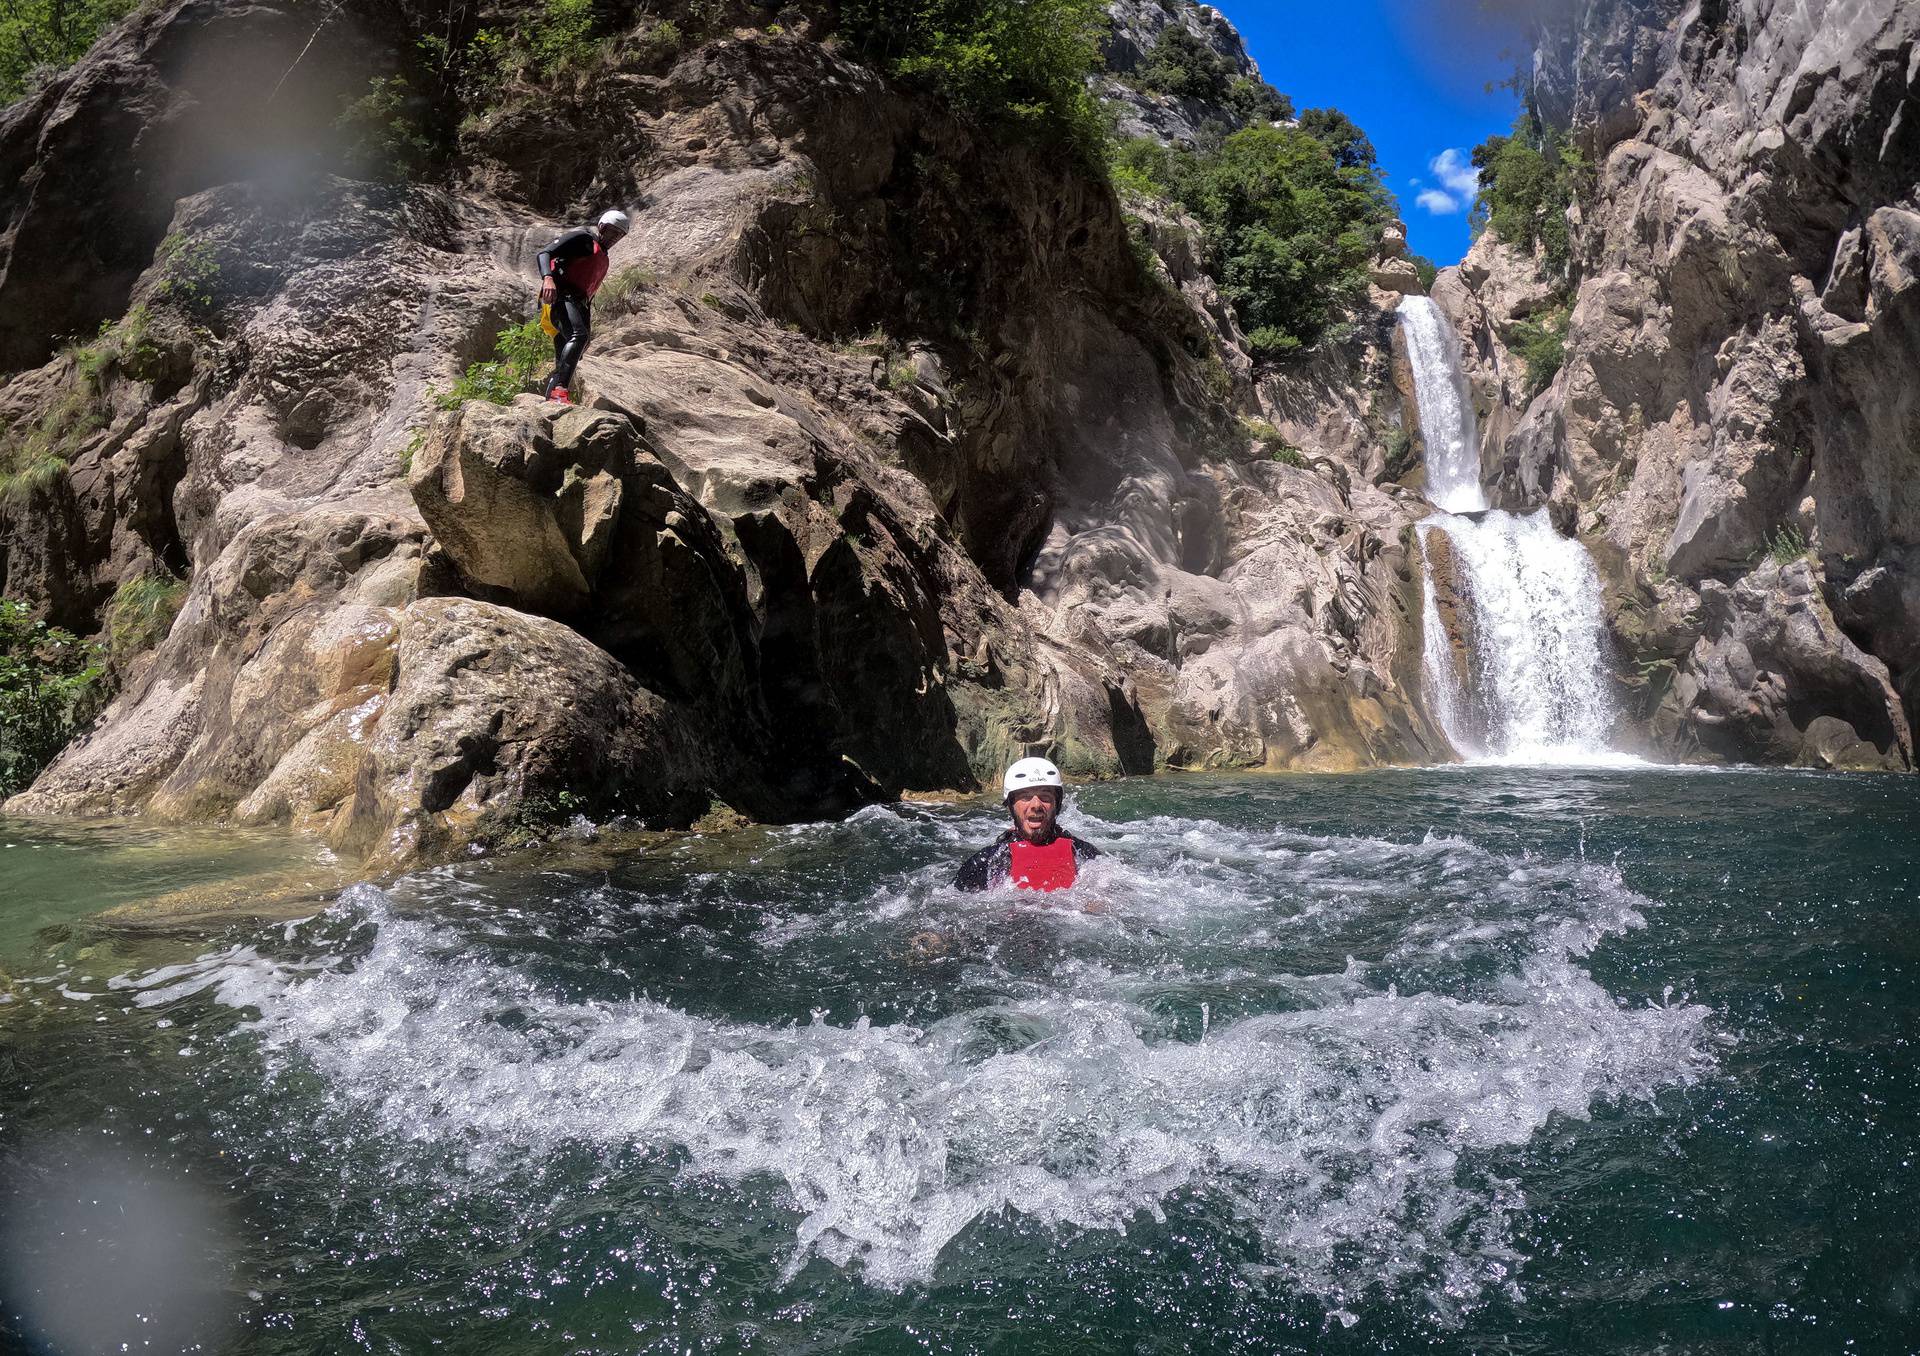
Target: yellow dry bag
546, 320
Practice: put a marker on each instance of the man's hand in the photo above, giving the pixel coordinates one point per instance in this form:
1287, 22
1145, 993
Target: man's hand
548, 291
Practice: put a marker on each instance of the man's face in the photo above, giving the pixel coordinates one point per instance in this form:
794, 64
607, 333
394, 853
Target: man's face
611, 236
1033, 810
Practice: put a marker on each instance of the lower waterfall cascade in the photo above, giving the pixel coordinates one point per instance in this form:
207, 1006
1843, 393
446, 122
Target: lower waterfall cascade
1521, 675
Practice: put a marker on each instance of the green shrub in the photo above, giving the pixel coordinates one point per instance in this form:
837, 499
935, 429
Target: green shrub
190, 272
618, 293
562, 36
1272, 443
1426, 269
44, 35
126, 344
1527, 182
141, 612
1289, 231
1182, 65
34, 458
1341, 135
384, 128
1018, 63
1255, 101
519, 352
1786, 545
1542, 344
51, 686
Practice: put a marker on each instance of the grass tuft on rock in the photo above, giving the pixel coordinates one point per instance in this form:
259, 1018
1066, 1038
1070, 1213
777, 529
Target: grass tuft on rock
140, 614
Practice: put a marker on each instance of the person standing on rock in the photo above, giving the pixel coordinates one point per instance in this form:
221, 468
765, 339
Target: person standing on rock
1036, 853
571, 271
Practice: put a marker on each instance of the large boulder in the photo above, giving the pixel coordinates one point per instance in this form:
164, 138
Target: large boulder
497, 720
1774, 679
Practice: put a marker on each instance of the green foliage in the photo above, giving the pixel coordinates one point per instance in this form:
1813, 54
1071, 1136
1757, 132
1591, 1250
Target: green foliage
1542, 343
1017, 63
1345, 142
562, 36
190, 272
662, 39
125, 344
1426, 269
1527, 182
1786, 545
1255, 101
1272, 443
1289, 230
41, 36
34, 458
386, 137
141, 612
51, 686
519, 352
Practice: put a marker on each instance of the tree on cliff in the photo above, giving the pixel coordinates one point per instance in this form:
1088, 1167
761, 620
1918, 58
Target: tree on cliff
1289, 227
1023, 62
41, 36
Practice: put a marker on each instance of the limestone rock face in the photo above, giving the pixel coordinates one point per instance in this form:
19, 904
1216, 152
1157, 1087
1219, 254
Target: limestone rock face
1137, 27
890, 462
1741, 328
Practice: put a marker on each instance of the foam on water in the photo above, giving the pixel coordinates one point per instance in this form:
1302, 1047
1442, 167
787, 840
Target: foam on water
1326, 1038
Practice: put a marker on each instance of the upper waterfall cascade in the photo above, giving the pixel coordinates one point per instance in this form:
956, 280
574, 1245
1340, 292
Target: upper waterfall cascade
1520, 675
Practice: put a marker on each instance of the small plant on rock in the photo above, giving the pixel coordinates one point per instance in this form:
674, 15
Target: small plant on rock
1786, 545
519, 352
191, 272
1542, 345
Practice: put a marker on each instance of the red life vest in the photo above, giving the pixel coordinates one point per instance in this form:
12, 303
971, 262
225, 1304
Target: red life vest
1042, 867
584, 272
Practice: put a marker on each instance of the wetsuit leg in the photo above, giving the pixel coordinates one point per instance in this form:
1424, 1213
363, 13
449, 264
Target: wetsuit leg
573, 319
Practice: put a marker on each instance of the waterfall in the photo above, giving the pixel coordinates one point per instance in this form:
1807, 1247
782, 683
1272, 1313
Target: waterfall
1513, 658
1446, 410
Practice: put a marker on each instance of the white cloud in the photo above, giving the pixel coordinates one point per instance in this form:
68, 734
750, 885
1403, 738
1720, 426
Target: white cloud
1438, 203
1452, 168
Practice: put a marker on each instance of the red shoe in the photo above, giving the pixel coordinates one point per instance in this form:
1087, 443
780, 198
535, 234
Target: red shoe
559, 393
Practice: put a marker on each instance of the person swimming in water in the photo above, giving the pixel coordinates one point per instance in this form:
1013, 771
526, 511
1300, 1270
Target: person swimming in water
1036, 853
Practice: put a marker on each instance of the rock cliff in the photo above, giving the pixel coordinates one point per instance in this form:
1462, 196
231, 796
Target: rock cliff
1734, 430
893, 458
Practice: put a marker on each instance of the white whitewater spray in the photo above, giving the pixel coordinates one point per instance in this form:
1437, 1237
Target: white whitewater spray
1535, 687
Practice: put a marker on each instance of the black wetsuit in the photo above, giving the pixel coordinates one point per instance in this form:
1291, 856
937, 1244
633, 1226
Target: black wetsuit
577, 263
992, 866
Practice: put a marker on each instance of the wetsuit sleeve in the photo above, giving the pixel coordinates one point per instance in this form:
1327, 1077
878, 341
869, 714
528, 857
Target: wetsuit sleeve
571, 245
977, 871
1083, 851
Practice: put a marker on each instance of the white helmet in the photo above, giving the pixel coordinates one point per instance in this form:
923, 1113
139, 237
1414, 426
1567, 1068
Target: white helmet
1029, 773
616, 219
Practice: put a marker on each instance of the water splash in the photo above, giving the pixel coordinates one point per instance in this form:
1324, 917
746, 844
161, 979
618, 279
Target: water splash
1262, 1021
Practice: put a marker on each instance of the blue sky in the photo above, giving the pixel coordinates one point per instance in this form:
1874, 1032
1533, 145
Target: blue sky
1412, 74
